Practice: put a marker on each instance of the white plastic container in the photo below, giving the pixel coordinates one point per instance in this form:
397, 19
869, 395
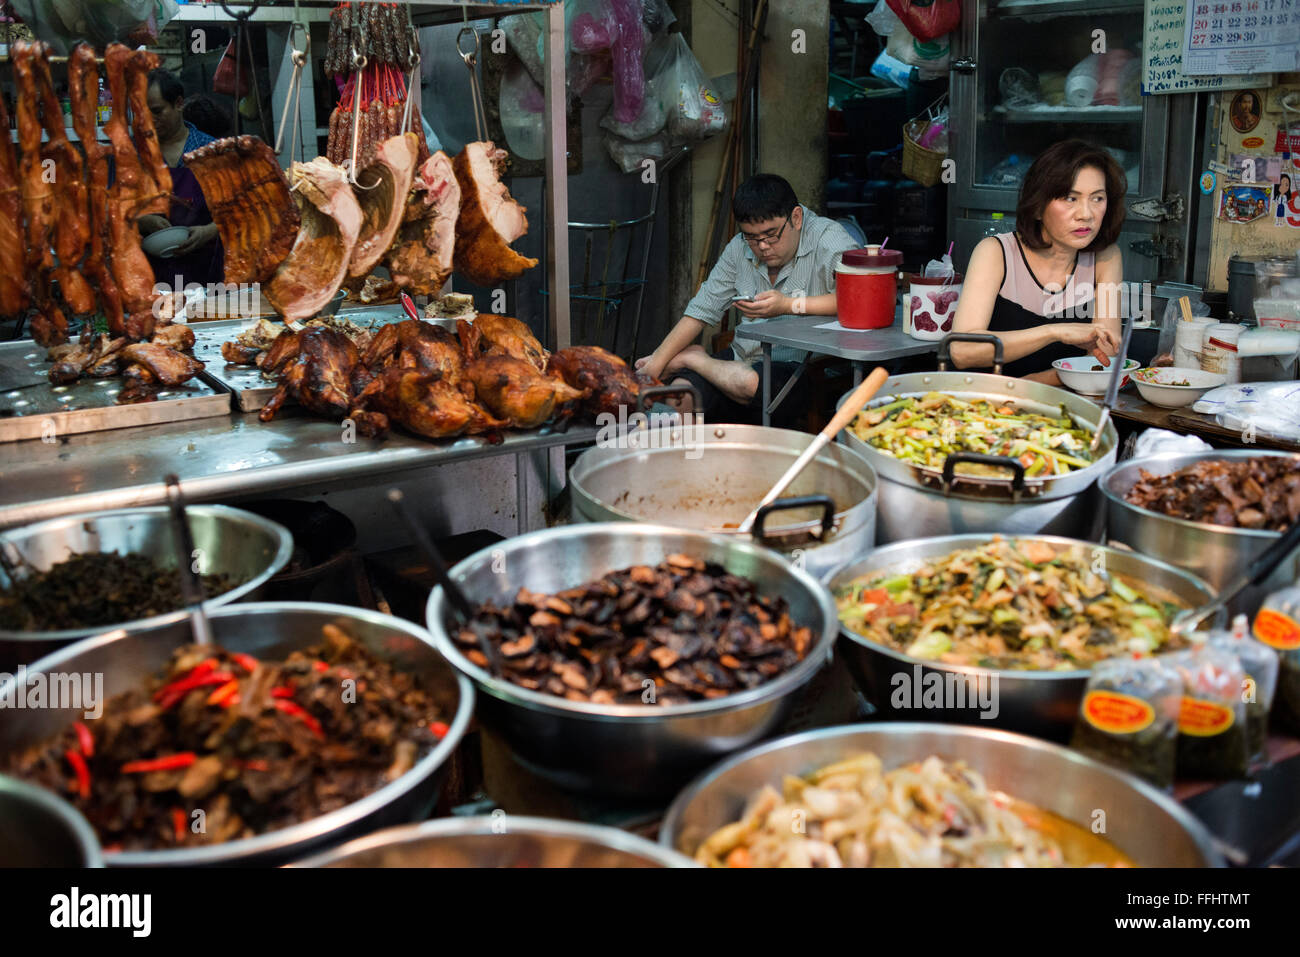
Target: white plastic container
1219, 353
1189, 341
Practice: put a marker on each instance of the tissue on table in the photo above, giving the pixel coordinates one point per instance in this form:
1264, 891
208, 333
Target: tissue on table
1152, 441
1266, 408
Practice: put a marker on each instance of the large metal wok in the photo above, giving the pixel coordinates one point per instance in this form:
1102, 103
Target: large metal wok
269, 630
1214, 552
230, 541
1041, 703
917, 502
1152, 829
629, 750
707, 477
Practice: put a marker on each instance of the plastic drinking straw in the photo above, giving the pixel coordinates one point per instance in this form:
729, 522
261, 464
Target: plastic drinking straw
882, 244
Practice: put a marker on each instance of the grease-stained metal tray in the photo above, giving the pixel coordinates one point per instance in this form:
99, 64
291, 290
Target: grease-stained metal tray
250, 388
44, 410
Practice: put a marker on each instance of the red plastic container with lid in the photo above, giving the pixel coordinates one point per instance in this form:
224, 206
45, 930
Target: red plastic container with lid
866, 287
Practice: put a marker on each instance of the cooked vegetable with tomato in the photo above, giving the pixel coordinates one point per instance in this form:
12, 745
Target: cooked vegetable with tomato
927, 430
223, 746
1013, 604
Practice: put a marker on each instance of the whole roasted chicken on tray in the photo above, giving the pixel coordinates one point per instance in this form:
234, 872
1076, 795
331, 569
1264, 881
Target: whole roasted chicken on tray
492, 376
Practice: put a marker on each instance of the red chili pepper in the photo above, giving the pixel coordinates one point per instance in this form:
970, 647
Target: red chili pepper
257, 764
204, 667
295, 710
83, 773
170, 763
230, 702
85, 739
320, 666
247, 662
179, 820
280, 691
439, 729
224, 692
180, 689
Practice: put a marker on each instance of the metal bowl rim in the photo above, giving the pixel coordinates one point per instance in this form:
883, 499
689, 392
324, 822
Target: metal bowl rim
968, 538
867, 449
1107, 481
873, 481
314, 828
1200, 835
283, 552
483, 825
510, 693
82, 833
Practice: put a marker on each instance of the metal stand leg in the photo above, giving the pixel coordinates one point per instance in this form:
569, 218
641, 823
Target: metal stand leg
858, 368
789, 384
767, 383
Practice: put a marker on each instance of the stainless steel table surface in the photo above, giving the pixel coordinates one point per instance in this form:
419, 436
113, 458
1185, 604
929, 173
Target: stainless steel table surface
858, 346
221, 457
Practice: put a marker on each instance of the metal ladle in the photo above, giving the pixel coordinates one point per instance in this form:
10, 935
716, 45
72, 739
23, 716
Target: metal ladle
860, 397
1256, 572
191, 585
459, 601
1112, 389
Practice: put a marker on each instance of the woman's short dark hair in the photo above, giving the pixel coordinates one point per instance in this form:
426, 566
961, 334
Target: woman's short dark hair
1052, 176
167, 84
207, 115
762, 197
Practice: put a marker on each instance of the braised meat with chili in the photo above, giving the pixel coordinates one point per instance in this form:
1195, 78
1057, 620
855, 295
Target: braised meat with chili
224, 746
1256, 493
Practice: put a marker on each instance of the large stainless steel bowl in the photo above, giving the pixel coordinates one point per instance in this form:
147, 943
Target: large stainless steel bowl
1152, 829
915, 503
704, 477
501, 841
627, 750
1213, 552
269, 630
38, 829
1042, 703
230, 541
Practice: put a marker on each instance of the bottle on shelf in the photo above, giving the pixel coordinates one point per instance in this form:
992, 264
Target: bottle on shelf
995, 225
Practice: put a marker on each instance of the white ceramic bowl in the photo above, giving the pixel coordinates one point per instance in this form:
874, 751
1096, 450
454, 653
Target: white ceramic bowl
1173, 387
1087, 376
164, 242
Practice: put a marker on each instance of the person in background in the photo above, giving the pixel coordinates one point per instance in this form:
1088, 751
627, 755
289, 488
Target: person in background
207, 116
199, 258
781, 264
1037, 288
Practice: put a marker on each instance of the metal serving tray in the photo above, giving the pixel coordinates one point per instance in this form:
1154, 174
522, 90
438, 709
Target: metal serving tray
250, 388
44, 410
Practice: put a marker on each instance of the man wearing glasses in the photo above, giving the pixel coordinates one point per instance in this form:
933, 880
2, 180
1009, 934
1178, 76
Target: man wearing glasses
781, 264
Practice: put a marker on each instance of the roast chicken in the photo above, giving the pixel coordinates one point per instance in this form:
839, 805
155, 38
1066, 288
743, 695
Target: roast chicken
514, 390
491, 334
317, 368
421, 402
605, 378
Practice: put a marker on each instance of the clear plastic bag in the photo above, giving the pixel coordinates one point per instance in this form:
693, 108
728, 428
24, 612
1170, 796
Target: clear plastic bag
1019, 88
696, 111
1010, 172
628, 156
100, 22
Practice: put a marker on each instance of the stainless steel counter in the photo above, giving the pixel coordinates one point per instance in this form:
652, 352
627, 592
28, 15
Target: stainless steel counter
220, 458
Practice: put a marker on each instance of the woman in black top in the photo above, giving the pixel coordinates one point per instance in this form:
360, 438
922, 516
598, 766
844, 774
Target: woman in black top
1050, 290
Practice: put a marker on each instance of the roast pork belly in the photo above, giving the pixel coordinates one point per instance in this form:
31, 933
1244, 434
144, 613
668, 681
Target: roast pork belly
490, 219
318, 262
382, 190
421, 258
251, 204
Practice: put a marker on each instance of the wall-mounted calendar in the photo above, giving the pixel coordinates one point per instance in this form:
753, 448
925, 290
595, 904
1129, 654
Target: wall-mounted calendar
1241, 36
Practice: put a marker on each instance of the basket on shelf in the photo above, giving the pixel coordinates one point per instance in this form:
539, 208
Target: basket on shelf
919, 163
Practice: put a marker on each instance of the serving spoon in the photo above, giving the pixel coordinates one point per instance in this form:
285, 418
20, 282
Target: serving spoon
1112, 389
1256, 572
460, 602
191, 585
852, 406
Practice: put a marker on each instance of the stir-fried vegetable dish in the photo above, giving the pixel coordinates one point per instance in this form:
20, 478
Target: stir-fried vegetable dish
925, 814
1022, 605
927, 430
